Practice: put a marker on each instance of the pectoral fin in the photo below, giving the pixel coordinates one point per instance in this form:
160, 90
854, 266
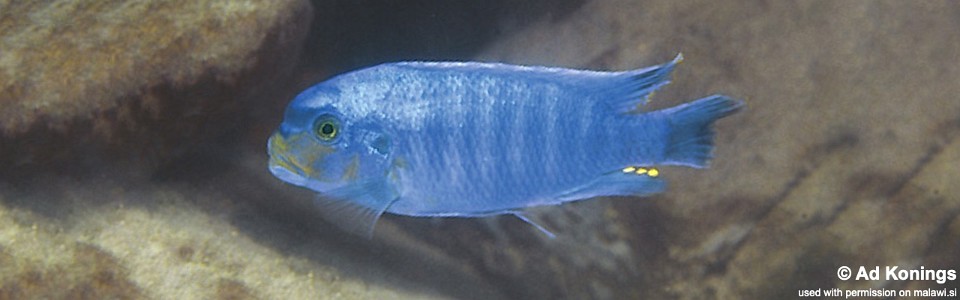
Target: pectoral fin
357, 206
523, 217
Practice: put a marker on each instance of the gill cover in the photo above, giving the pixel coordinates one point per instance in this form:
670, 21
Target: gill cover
343, 157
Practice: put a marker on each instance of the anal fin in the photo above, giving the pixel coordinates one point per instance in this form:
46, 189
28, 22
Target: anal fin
631, 181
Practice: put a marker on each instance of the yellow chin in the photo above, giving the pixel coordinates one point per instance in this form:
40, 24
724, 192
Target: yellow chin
296, 154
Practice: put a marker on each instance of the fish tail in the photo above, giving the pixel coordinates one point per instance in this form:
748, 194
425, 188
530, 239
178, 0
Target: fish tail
690, 138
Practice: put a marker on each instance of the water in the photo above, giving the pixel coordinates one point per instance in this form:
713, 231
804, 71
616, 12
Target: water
153, 183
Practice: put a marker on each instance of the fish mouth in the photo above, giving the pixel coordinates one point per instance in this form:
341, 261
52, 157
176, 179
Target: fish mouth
286, 164
287, 175
280, 164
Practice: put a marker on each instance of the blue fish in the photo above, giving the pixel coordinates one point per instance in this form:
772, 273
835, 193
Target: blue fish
470, 139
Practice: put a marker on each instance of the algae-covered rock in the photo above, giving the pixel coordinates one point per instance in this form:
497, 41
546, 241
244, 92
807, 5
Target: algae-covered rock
104, 239
67, 59
142, 78
845, 154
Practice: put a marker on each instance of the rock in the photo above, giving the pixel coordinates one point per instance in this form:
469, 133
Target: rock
120, 141
153, 242
142, 79
845, 154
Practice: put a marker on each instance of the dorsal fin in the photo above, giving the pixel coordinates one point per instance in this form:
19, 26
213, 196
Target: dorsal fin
633, 88
623, 90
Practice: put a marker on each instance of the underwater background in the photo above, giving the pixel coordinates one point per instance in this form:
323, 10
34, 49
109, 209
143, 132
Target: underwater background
133, 164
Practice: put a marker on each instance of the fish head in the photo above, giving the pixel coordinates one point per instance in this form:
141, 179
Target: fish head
322, 146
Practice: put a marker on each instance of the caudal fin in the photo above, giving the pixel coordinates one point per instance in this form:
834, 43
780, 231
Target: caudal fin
691, 129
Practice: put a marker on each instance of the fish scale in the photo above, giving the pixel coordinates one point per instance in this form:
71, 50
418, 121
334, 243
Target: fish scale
471, 139
521, 144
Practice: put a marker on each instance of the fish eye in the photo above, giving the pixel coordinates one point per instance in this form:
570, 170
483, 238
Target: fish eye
327, 127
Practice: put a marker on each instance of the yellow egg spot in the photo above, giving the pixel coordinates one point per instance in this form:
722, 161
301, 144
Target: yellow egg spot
648, 98
653, 173
641, 171
629, 169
